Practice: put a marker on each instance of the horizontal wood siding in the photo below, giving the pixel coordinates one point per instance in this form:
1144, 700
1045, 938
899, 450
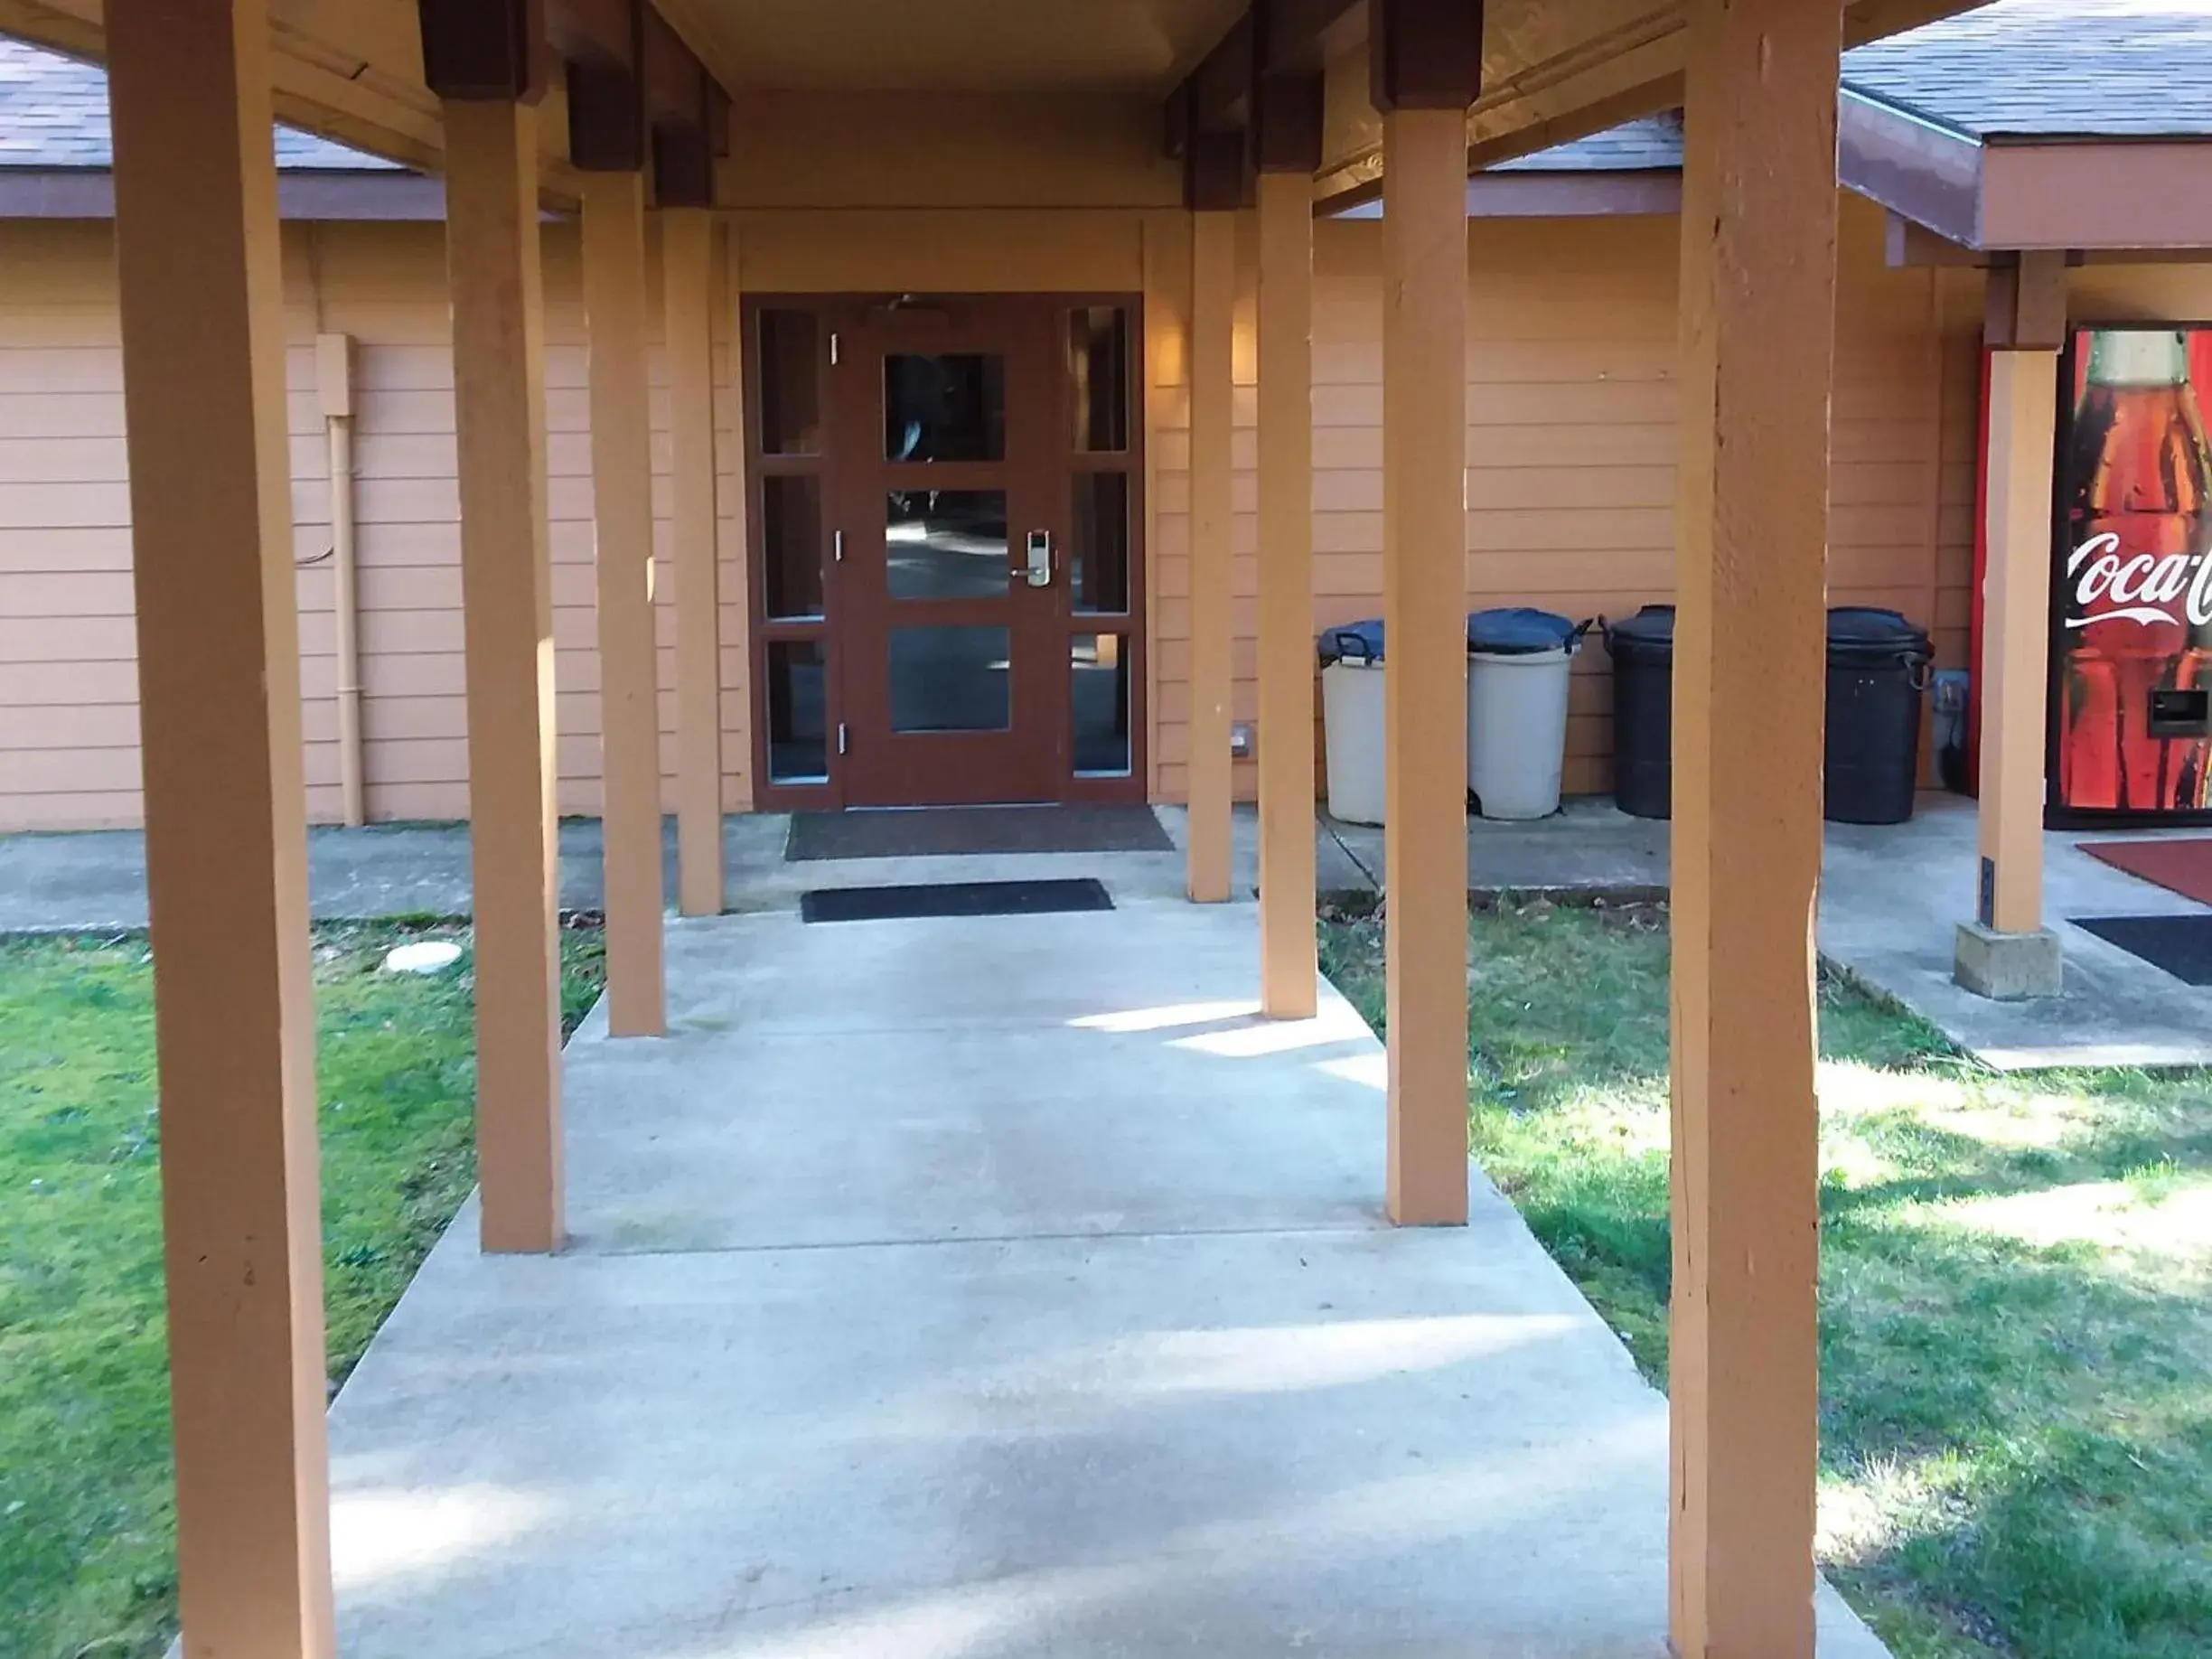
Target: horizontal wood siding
1572, 432
67, 677
1570, 459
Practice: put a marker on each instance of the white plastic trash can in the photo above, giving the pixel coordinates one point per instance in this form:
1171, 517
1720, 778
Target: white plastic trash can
1519, 664
1352, 721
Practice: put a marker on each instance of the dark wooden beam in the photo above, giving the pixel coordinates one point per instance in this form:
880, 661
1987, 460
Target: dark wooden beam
1424, 54
674, 78
1220, 88
485, 50
682, 166
607, 118
1294, 33
1274, 37
1214, 176
1286, 129
607, 91
600, 31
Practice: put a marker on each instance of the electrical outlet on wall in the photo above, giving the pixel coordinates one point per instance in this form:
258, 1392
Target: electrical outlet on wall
1241, 741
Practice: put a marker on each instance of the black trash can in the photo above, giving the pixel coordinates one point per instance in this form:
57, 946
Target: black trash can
1878, 666
1643, 650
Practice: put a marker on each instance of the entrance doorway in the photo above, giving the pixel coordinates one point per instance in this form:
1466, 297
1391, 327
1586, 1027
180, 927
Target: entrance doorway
947, 551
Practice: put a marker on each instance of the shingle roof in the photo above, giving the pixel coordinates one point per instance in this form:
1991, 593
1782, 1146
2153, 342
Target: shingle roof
2121, 68
1654, 143
2095, 68
54, 114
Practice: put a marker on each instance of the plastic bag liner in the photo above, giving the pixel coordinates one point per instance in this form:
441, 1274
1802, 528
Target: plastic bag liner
1359, 642
1867, 636
1518, 631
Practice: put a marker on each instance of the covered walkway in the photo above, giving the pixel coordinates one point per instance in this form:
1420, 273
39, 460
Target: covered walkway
999, 1286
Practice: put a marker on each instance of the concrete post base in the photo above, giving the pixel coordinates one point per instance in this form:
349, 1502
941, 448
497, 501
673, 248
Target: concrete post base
2006, 967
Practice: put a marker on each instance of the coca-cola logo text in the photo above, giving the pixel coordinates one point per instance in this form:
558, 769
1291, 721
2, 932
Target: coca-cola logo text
2139, 589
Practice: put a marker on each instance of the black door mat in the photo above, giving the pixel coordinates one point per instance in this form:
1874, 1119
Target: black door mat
921, 832
953, 898
2181, 945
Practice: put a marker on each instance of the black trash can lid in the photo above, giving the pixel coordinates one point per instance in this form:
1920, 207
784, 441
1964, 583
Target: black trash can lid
1519, 631
1359, 642
1651, 628
1866, 634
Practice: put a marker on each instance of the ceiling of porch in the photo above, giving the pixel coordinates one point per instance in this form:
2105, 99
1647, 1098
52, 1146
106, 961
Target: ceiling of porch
1136, 46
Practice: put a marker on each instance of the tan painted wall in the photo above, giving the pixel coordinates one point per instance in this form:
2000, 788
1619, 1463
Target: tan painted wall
68, 682
1571, 439
1570, 452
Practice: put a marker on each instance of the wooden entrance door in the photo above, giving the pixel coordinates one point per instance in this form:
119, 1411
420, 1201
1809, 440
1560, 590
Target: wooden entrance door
971, 633
949, 561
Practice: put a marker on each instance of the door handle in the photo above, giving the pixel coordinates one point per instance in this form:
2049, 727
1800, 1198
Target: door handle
1037, 568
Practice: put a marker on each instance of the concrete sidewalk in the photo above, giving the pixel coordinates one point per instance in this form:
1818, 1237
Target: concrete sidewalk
93, 881
1891, 898
991, 1289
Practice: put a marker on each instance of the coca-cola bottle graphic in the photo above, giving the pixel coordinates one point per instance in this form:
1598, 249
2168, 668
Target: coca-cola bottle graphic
2136, 632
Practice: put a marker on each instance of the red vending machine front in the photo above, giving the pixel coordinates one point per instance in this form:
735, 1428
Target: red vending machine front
2132, 587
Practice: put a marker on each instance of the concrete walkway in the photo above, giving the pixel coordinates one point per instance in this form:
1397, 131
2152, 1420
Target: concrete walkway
91, 881
993, 1289
1891, 899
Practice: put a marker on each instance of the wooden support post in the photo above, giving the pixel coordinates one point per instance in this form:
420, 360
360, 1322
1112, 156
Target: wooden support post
1287, 971
1213, 375
613, 236
1424, 609
2006, 950
335, 386
203, 388
1757, 298
734, 505
2023, 399
506, 578
688, 281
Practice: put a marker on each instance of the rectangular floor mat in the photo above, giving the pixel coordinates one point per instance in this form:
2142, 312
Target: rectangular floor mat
2181, 945
2183, 867
919, 832
953, 898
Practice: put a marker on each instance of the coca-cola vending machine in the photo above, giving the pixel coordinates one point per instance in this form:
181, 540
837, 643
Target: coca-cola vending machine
2131, 590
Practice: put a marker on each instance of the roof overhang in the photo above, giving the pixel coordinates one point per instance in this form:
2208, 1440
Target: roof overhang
1992, 193
1591, 195
1553, 72
375, 194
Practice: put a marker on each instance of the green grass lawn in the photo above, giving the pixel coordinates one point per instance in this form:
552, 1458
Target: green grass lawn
86, 1505
2016, 1288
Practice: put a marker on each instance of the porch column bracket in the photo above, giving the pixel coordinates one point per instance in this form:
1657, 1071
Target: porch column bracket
607, 94
2024, 305
1757, 345
1215, 179
683, 108
485, 50
1272, 37
1286, 131
1424, 54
